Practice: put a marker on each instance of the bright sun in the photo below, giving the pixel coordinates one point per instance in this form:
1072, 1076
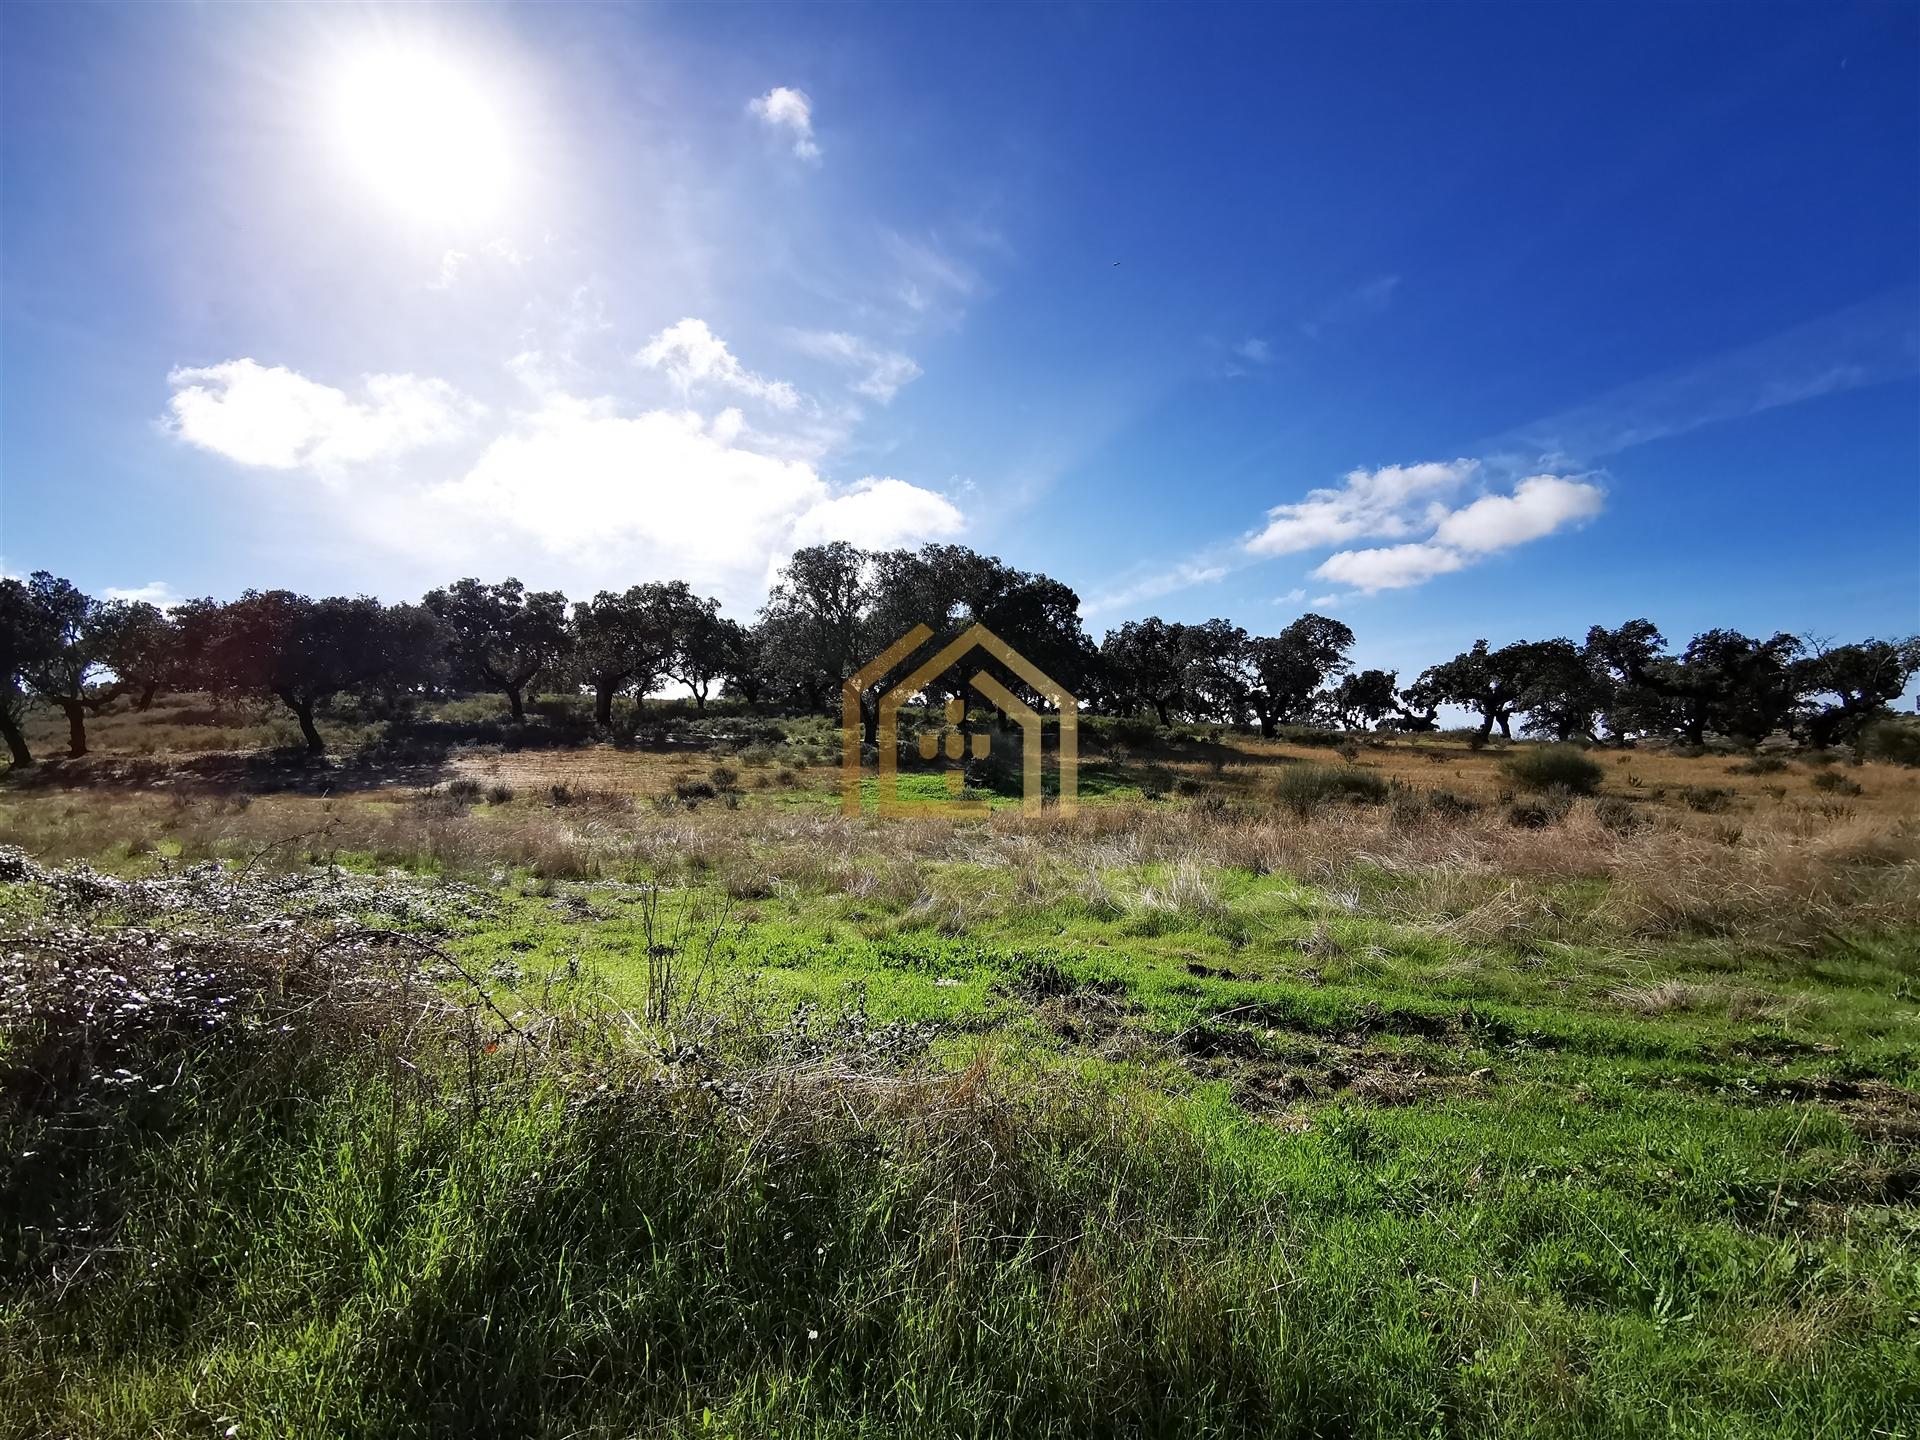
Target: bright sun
423, 134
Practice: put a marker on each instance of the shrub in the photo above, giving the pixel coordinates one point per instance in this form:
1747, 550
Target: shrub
724, 777
1450, 805
691, 792
1763, 764
1620, 816
1707, 799
1537, 812
499, 794
1835, 783
466, 792
560, 795
1553, 767
1895, 741
1304, 789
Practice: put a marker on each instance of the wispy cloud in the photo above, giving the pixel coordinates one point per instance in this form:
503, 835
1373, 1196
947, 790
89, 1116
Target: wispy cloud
1371, 298
1153, 585
1865, 344
880, 373
784, 109
693, 358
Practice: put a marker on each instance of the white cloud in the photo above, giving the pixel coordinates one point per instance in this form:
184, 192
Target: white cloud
1539, 505
783, 108
882, 372
1388, 567
154, 592
1386, 502
272, 416
692, 357
879, 514
1254, 349
1292, 597
1325, 602
668, 493
1399, 502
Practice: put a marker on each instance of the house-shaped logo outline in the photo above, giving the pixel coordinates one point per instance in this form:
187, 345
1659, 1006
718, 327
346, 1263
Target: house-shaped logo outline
1016, 709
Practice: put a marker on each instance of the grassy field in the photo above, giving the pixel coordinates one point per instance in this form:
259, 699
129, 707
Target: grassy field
484, 1082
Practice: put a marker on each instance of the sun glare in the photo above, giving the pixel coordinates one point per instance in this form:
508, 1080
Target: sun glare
423, 134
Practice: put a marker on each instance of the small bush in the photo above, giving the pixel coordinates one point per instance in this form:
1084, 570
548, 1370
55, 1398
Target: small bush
1622, 817
1450, 805
724, 777
560, 794
1895, 741
1835, 783
691, 792
466, 792
1764, 764
1553, 767
1707, 799
1537, 812
500, 795
1304, 789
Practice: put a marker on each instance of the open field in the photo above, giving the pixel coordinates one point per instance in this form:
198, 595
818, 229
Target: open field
499, 1086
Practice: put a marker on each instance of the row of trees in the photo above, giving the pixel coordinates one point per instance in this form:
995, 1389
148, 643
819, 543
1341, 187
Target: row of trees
834, 607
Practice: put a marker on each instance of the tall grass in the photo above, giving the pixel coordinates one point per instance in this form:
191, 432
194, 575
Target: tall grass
334, 1198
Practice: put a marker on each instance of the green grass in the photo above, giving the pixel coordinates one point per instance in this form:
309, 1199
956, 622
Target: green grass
1205, 1154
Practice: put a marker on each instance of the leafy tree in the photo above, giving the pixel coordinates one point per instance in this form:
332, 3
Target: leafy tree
747, 663
302, 652
1561, 692
1863, 680
501, 637
1285, 670
1362, 700
20, 642
1417, 708
703, 642
1488, 682
142, 648
951, 587
622, 641
61, 648
1217, 682
817, 623
1147, 662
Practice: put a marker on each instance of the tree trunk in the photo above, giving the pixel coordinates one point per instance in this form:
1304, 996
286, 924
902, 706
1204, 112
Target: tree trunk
699, 698
1160, 709
1501, 721
145, 700
516, 704
76, 728
1267, 725
603, 704
16, 742
1486, 725
870, 720
303, 712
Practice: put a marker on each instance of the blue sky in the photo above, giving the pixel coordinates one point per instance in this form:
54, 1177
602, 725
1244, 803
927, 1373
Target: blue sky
1453, 321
